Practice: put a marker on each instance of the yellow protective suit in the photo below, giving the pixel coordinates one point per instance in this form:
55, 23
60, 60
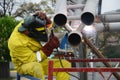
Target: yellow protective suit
23, 54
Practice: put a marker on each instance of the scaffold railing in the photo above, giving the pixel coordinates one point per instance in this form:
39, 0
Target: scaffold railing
51, 69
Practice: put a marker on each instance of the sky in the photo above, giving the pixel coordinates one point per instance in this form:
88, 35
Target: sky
108, 5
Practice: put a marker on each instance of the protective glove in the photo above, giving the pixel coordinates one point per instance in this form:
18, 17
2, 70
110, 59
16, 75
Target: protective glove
50, 45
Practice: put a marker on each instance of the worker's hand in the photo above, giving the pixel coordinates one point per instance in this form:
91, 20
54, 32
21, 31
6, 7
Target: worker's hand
54, 41
50, 45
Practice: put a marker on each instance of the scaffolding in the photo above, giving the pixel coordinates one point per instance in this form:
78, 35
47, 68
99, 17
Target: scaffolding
74, 16
101, 58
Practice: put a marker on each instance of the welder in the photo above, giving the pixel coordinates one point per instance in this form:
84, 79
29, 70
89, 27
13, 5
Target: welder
29, 55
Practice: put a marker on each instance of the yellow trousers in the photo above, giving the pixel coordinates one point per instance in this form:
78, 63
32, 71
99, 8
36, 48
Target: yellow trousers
39, 70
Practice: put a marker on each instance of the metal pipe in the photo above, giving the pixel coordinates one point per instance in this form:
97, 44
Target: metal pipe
75, 6
76, 23
74, 38
68, 27
60, 18
110, 17
112, 27
90, 10
77, 17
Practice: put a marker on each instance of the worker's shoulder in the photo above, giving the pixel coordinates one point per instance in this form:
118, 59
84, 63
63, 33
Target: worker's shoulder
18, 39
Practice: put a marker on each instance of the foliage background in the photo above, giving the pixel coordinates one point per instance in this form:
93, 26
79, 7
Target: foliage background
7, 25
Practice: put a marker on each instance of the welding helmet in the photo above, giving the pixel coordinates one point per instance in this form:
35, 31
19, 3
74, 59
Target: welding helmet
36, 27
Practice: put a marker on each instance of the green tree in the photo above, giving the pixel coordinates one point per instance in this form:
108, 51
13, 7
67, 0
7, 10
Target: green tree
112, 51
29, 8
109, 44
7, 25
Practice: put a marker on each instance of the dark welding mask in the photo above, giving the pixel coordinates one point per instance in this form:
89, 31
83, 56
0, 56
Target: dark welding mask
36, 27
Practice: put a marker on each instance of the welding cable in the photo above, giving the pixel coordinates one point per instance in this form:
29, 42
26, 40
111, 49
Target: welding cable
63, 67
52, 32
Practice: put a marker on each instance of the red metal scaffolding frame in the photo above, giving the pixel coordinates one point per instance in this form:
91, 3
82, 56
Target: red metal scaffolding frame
51, 69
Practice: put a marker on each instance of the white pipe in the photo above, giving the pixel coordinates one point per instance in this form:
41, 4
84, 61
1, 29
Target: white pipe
90, 10
75, 6
76, 17
112, 27
74, 38
110, 17
60, 18
61, 7
68, 27
91, 6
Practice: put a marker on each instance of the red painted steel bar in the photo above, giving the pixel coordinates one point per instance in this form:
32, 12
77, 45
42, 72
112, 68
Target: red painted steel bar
86, 69
95, 60
51, 70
